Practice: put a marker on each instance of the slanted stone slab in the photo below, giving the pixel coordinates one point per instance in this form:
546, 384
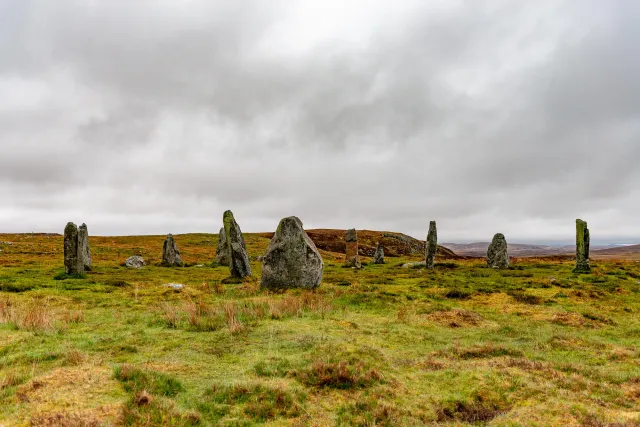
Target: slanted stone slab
582, 247
292, 259
222, 251
83, 243
378, 255
431, 245
170, 253
238, 259
73, 257
497, 254
352, 258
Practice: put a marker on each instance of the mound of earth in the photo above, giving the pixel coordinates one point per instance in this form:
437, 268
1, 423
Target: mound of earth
394, 244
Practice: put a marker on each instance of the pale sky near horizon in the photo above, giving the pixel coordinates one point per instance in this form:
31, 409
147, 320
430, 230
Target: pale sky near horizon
484, 115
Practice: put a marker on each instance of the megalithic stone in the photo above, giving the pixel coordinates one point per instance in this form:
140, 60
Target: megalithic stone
238, 259
73, 257
352, 259
83, 244
582, 247
497, 253
222, 251
292, 259
432, 244
170, 253
378, 255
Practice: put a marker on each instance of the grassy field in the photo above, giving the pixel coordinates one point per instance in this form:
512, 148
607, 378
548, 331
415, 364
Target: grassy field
385, 345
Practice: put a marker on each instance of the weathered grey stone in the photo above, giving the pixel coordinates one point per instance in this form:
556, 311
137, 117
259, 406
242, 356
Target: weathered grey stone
352, 259
83, 244
414, 264
135, 261
582, 247
378, 255
431, 244
292, 259
238, 259
497, 254
222, 251
170, 253
73, 257
174, 286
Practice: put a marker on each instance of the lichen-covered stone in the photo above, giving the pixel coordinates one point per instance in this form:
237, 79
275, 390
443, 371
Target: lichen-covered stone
352, 258
222, 251
431, 244
378, 255
582, 247
73, 257
292, 259
237, 251
83, 244
170, 253
497, 254
135, 261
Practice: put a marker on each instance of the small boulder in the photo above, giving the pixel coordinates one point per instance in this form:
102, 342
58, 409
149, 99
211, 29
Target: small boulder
135, 261
497, 254
238, 259
292, 259
174, 286
170, 253
222, 251
378, 255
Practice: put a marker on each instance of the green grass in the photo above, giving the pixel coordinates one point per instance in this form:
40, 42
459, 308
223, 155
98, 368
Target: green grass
460, 344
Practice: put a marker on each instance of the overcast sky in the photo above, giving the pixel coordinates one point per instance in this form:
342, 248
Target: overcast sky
142, 117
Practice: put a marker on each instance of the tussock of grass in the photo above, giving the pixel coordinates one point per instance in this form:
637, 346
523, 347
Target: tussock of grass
136, 380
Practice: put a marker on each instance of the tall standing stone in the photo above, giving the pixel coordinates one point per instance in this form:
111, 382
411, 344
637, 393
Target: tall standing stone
83, 244
582, 247
351, 241
73, 257
378, 255
497, 254
292, 259
431, 244
222, 252
170, 253
238, 259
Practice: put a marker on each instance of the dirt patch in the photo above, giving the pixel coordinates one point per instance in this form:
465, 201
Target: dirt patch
456, 318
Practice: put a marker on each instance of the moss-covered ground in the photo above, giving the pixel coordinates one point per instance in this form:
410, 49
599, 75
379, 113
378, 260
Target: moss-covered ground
384, 345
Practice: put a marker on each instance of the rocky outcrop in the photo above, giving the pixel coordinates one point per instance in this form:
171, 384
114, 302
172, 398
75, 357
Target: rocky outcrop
292, 259
378, 255
497, 254
222, 251
582, 247
238, 259
431, 244
352, 258
170, 253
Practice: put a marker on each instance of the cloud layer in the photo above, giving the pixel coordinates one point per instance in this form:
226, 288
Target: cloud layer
488, 116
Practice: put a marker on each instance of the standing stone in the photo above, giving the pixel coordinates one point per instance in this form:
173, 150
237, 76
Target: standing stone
170, 253
73, 257
432, 244
582, 247
83, 244
351, 241
497, 254
292, 259
378, 255
237, 252
222, 253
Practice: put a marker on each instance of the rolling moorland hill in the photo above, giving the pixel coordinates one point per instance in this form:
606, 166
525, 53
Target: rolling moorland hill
461, 344
479, 249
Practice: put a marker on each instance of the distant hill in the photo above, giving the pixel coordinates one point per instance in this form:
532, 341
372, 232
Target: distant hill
479, 249
394, 244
